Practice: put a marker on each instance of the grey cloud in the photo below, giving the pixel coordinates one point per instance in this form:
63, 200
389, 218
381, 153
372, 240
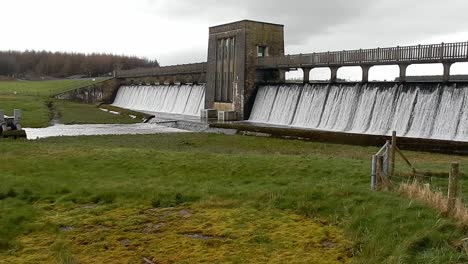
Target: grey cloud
314, 25
299, 17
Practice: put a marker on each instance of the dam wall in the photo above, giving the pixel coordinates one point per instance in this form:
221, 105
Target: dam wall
101, 92
183, 99
244, 79
415, 110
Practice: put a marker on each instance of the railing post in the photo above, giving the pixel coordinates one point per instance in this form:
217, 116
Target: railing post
419, 51
442, 51
453, 187
466, 50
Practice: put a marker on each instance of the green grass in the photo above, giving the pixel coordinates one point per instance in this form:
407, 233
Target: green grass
48, 183
34, 109
44, 88
32, 98
76, 113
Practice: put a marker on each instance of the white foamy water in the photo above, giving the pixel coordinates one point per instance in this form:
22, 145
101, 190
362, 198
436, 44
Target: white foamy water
94, 130
174, 99
413, 110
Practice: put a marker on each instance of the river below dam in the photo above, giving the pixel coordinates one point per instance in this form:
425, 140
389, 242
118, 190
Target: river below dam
95, 130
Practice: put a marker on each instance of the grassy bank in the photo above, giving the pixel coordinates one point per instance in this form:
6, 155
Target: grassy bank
193, 197
33, 97
45, 88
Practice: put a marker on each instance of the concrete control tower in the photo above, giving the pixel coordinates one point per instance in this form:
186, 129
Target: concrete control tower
233, 51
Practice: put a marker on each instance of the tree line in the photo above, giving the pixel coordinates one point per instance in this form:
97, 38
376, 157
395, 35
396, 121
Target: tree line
60, 64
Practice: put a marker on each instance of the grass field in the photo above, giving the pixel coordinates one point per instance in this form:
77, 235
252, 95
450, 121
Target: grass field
189, 198
33, 96
44, 88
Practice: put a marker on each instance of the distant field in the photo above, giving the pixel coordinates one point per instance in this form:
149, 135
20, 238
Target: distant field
189, 198
32, 97
44, 88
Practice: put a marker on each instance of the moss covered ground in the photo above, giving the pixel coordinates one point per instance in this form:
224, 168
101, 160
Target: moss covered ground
191, 198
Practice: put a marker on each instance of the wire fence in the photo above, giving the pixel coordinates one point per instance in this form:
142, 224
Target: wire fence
393, 171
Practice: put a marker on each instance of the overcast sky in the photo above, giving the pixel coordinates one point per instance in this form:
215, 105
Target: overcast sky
176, 31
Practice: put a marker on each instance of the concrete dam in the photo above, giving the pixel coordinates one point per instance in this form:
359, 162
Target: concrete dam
243, 80
173, 99
435, 111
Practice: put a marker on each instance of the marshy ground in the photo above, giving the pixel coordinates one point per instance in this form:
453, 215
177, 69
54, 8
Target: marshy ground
189, 198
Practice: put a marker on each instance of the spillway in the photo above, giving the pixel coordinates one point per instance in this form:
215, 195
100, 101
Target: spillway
424, 110
174, 99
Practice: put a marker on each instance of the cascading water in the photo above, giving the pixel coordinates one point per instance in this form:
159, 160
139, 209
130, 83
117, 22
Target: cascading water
413, 110
174, 99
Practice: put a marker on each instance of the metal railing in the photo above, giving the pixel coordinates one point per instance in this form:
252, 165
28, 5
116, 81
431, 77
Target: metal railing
379, 56
194, 68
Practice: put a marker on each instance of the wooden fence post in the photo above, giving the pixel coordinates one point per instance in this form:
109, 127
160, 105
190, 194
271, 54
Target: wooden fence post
453, 186
387, 159
374, 173
393, 154
380, 168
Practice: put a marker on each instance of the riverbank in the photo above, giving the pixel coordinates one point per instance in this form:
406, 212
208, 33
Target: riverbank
34, 98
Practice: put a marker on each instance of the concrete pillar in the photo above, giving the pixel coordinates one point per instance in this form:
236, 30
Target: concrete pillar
17, 118
306, 74
282, 75
334, 73
365, 72
182, 79
403, 68
2, 120
447, 66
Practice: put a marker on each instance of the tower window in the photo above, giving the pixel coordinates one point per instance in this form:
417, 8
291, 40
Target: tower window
262, 51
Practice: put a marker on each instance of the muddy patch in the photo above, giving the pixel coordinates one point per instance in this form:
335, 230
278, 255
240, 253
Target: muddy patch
200, 236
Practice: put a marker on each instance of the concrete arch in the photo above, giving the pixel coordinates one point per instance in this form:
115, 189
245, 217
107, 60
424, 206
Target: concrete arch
353, 74
172, 80
425, 72
147, 81
320, 74
384, 73
296, 75
189, 78
459, 68
201, 78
